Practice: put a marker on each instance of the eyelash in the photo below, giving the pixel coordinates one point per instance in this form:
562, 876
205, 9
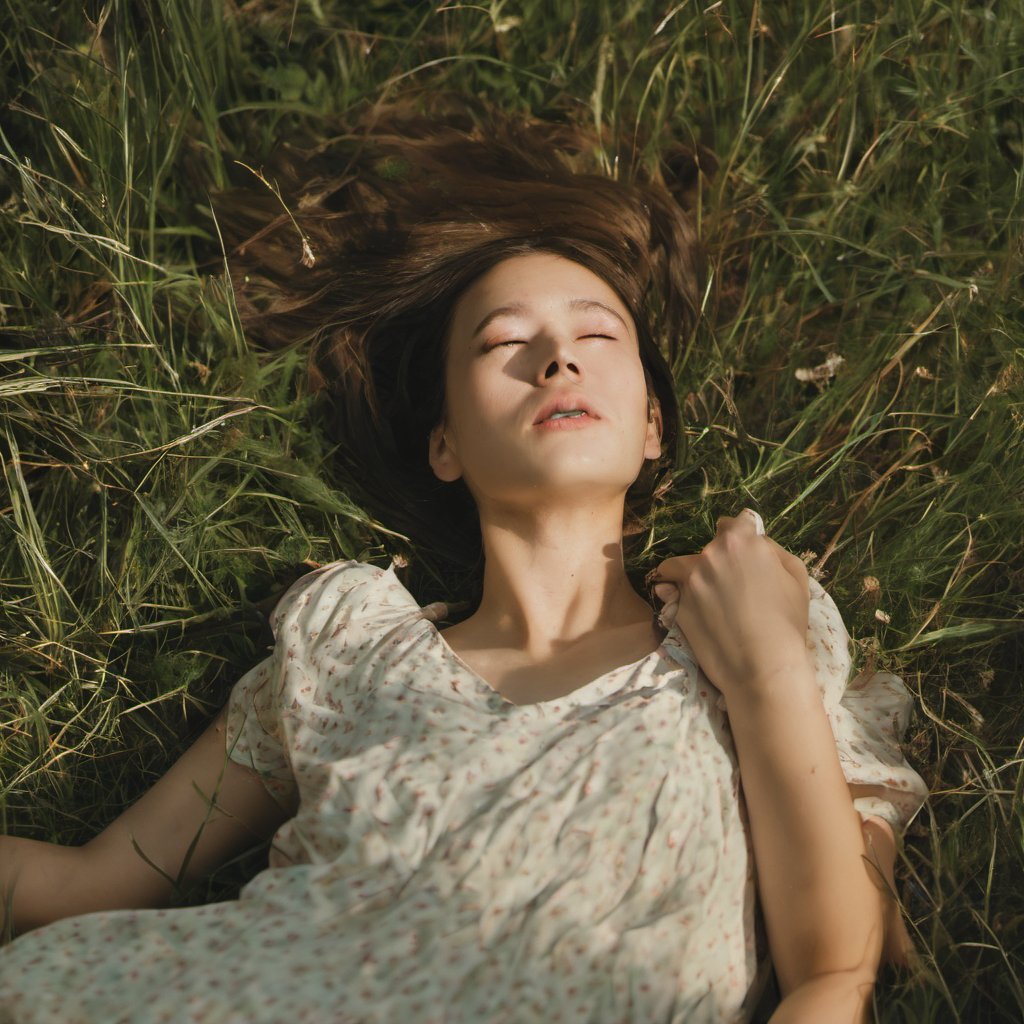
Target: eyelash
516, 341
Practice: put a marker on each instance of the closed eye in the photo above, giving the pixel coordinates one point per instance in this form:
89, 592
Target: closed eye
517, 341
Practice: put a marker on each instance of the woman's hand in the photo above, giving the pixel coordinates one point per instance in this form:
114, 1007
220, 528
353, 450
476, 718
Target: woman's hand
742, 605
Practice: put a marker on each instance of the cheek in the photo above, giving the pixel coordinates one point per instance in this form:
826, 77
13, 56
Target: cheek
631, 376
472, 399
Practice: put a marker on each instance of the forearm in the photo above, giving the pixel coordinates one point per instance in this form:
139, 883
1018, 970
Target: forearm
823, 911
37, 883
206, 809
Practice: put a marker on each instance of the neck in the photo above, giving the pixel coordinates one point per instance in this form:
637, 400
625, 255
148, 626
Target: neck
554, 575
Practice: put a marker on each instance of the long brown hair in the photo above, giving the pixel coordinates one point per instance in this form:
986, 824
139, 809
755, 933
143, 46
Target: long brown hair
389, 223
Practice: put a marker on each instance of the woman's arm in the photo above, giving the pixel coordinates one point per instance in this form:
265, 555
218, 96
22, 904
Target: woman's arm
205, 810
743, 605
824, 912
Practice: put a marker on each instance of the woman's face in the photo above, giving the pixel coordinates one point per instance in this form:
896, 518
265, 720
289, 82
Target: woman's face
534, 331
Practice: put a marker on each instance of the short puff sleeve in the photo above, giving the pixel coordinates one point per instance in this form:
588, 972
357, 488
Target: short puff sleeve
265, 706
868, 714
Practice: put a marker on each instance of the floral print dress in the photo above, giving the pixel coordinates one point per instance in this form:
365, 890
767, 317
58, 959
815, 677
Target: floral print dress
458, 858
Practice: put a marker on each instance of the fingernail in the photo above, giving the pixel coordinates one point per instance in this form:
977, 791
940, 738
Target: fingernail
758, 521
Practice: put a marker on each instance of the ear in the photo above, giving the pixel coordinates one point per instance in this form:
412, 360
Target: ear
443, 460
655, 426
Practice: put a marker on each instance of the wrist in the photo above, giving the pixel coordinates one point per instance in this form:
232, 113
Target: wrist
790, 679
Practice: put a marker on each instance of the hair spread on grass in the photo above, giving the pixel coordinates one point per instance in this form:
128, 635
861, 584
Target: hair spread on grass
365, 262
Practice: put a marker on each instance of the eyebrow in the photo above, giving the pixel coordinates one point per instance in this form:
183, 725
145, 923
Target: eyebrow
513, 308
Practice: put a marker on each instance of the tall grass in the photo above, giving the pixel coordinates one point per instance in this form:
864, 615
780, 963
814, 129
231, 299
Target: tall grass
859, 377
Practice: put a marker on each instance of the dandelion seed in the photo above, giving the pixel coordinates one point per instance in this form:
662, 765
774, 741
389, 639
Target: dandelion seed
820, 375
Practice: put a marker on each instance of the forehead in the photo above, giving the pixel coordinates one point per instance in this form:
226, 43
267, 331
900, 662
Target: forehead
536, 283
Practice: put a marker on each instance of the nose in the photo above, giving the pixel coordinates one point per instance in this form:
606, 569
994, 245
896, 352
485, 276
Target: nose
563, 361
561, 365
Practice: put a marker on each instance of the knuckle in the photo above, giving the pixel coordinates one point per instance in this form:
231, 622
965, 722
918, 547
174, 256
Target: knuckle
732, 540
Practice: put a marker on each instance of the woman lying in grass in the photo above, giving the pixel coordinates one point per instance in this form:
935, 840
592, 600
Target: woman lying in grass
565, 806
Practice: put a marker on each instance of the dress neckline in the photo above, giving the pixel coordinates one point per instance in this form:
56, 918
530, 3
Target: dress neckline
672, 639
570, 698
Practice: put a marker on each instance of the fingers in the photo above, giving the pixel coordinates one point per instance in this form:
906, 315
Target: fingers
678, 568
674, 570
793, 564
747, 520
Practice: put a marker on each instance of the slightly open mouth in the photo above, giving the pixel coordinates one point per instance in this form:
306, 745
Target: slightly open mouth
566, 422
573, 414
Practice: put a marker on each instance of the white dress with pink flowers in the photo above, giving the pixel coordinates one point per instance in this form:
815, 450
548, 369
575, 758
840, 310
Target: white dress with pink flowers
460, 859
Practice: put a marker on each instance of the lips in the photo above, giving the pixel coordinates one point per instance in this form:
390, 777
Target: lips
565, 402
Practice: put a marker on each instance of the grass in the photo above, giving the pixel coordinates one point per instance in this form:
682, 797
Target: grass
858, 377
